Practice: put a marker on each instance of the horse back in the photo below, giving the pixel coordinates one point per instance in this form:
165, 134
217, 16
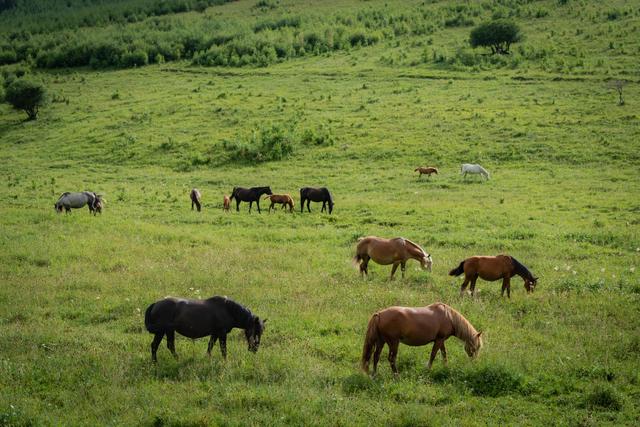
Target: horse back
415, 325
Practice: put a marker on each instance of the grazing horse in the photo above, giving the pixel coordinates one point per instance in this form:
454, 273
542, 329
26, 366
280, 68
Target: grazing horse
473, 169
248, 195
67, 201
309, 194
427, 171
416, 327
214, 317
195, 199
225, 203
389, 251
99, 204
493, 268
281, 199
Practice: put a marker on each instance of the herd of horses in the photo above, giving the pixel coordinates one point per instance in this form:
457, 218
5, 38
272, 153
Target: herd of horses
414, 326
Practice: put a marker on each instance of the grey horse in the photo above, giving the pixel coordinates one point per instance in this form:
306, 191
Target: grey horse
67, 201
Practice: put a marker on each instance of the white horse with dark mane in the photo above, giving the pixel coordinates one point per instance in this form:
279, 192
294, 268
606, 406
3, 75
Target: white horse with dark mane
474, 169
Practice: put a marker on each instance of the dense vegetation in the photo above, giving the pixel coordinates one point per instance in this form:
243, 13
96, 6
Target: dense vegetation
545, 121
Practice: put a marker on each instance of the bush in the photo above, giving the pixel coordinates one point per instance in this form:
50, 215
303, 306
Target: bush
137, 58
8, 57
321, 136
493, 381
604, 397
269, 143
27, 95
498, 35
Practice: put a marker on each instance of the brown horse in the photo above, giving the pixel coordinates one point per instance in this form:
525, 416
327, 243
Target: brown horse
195, 199
281, 199
226, 202
493, 268
427, 171
389, 251
416, 327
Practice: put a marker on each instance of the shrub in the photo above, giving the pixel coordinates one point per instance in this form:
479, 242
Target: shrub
498, 35
322, 136
137, 58
27, 95
604, 397
493, 381
269, 143
8, 56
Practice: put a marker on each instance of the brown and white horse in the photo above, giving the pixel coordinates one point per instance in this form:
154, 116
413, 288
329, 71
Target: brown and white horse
281, 199
417, 326
492, 268
389, 251
426, 171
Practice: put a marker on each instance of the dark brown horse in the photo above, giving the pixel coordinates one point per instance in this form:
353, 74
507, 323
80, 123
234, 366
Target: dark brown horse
226, 202
426, 171
416, 327
248, 195
195, 199
281, 199
309, 194
214, 317
492, 268
389, 251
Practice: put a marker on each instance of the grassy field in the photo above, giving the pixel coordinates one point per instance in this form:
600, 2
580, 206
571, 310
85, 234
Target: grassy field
564, 198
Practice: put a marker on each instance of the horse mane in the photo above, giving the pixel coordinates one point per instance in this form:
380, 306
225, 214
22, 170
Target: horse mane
329, 194
520, 269
415, 245
461, 326
238, 310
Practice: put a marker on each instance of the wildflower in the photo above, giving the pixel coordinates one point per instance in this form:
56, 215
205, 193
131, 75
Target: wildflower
574, 272
632, 269
602, 270
555, 268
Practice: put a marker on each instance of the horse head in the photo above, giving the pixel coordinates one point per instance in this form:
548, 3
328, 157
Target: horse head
473, 346
530, 284
425, 262
267, 190
254, 332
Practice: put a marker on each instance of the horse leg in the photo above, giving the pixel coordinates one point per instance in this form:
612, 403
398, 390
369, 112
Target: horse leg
464, 286
403, 268
505, 284
508, 289
171, 342
237, 205
155, 344
308, 203
223, 346
434, 352
192, 205
376, 354
212, 341
393, 271
364, 265
473, 284
393, 354
258, 204
301, 205
444, 353
250, 205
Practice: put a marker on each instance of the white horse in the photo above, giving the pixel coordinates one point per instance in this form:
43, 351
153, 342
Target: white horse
475, 169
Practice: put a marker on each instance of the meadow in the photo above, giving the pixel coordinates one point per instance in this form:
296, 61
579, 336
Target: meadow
563, 198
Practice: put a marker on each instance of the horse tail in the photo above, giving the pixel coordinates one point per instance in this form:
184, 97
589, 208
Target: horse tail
370, 340
267, 197
457, 271
154, 329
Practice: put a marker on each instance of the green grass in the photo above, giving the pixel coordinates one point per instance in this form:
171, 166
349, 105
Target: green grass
563, 199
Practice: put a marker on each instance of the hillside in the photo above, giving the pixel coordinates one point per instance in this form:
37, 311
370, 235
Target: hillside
358, 94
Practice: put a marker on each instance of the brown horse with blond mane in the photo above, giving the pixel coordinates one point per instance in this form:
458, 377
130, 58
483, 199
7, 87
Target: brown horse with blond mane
280, 199
417, 327
426, 171
492, 268
389, 251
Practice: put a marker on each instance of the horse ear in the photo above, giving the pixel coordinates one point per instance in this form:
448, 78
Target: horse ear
478, 334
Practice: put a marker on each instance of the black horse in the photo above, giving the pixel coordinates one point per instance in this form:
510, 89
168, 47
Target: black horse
309, 194
249, 195
214, 317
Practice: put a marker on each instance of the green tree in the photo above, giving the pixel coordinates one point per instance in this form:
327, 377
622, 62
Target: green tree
497, 35
27, 95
